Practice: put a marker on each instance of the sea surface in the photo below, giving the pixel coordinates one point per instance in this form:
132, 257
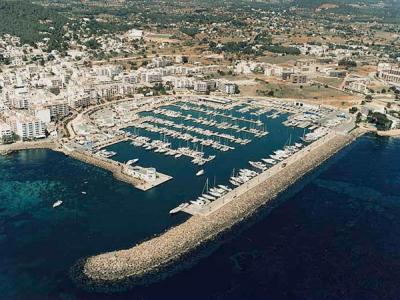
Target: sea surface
335, 234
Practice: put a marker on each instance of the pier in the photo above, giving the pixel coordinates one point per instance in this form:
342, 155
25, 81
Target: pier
215, 113
116, 169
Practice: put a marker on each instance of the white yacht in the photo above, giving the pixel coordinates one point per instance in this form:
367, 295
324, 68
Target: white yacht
199, 173
57, 203
132, 161
179, 208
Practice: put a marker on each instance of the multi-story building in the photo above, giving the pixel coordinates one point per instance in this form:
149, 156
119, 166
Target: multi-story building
200, 86
5, 130
59, 108
298, 78
27, 126
389, 73
151, 76
230, 88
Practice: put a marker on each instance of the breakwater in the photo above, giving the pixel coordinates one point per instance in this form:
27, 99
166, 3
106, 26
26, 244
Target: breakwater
118, 270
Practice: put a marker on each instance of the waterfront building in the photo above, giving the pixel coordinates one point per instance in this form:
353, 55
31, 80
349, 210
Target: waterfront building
26, 126
145, 174
5, 130
42, 113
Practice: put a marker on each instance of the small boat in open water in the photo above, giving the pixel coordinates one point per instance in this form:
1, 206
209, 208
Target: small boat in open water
199, 173
57, 203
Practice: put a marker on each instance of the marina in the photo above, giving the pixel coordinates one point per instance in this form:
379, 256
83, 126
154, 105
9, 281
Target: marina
242, 150
203, 134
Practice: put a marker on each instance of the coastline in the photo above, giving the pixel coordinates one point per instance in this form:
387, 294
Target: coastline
119, 270
42, 144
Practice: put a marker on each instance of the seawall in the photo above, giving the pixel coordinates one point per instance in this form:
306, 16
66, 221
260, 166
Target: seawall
119, 270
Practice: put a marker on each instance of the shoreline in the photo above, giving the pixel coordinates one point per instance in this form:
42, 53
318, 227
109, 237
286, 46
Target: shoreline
141, 264
19, 146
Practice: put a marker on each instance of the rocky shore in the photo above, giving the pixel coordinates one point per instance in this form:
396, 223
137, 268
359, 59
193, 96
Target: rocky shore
119, 270
41, 144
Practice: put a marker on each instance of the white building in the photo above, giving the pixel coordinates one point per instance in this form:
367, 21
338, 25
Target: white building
27, 126
145, 174
201, 86
151, 76
5, 130
134, 34
42, 113
58, 108
230, 88
389, 73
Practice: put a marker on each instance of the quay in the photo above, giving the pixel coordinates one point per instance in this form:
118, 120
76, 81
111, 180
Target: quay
116, 169
145, 262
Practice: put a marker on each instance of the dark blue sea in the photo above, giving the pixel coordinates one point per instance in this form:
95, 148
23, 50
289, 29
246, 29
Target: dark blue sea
335, 234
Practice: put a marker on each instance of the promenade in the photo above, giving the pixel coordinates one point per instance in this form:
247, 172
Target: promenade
118, 270
40, 144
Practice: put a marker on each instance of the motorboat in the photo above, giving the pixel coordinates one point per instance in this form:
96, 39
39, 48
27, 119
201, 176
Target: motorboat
57, 203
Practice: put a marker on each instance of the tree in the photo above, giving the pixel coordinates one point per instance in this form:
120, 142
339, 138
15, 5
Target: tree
380, 120
347, 62
353, 110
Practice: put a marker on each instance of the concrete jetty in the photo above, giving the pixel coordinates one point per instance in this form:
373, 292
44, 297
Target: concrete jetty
116, 169
119, 270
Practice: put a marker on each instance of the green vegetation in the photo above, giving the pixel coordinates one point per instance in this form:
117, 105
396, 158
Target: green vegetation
31, 22
347, 62
190, 31
380, 120
92, 44
282, 49
353, 110
10, 139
